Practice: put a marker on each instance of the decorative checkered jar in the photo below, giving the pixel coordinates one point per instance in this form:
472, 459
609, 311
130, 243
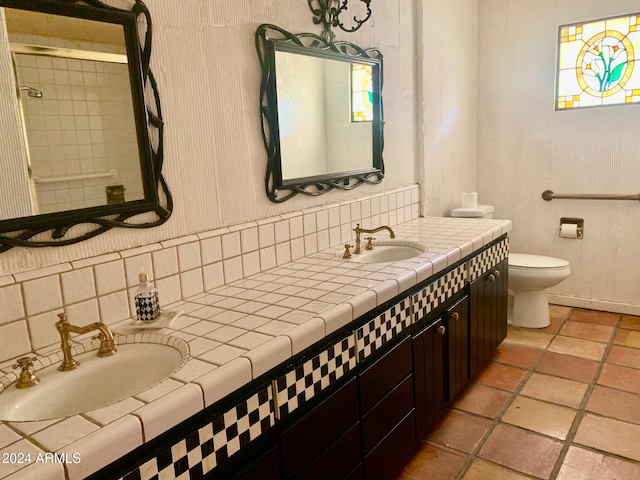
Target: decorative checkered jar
146, 300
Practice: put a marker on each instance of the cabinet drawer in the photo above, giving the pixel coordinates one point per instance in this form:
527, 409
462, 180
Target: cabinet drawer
313, 433
266, 467
393, 452
384, 374
338, 461
384, 416
357, 474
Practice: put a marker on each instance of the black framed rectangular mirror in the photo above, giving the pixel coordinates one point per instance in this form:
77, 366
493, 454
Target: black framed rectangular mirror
322, 116
82, 151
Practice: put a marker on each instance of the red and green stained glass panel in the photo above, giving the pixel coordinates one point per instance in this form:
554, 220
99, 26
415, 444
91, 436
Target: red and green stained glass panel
596, 63
361, 93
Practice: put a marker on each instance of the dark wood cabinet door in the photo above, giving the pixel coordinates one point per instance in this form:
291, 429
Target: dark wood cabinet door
384, 374
429, 376
458, 347
307, 438
487, 315
267, 467
388, 458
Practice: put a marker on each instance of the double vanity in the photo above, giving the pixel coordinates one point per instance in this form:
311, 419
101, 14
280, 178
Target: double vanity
344, 391
332, 365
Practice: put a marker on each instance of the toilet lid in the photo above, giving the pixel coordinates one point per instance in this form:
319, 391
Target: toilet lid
472, 212
524, 260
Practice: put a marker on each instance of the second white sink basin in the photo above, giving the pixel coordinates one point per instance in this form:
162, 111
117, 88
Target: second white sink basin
388, 253
96, 383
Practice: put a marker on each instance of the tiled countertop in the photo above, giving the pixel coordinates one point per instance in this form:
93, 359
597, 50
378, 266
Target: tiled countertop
236, 333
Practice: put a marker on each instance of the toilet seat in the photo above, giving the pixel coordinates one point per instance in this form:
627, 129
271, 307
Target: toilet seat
524, 261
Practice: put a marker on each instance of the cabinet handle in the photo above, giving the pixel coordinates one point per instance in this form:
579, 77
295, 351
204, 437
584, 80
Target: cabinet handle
491, 277
441, 329
455, 316
496, 273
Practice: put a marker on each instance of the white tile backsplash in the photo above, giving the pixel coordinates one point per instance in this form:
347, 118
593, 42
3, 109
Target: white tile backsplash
232, 269
282, 231
189, 256
11, 300
78, 285
266, 235
211, 250
249, 240
110, 277
42, 294
102, 287
165, 262
231, 245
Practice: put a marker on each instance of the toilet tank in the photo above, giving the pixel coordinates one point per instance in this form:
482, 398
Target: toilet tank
480, 211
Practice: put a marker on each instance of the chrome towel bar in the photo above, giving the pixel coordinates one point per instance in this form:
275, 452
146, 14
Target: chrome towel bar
548, 195
82, 176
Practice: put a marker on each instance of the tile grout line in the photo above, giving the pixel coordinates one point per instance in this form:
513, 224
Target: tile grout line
497, 420
581, 410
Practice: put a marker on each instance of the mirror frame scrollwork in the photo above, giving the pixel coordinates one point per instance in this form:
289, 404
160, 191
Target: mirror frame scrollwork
150, 127
279, 190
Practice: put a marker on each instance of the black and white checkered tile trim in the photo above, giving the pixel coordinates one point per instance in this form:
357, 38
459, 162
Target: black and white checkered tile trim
479, 264
374, 334
427, 299
212, 444
298, 386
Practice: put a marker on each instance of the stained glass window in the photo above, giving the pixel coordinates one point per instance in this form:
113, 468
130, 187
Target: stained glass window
361, 93
596, 63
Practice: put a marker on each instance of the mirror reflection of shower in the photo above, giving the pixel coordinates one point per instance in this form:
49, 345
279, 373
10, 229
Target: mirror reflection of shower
32, 92
78, 122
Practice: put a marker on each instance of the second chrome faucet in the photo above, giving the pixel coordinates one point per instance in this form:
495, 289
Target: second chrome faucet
107, 342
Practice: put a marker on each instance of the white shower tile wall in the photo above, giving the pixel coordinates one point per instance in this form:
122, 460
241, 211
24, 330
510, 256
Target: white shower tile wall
102, 288
82, 124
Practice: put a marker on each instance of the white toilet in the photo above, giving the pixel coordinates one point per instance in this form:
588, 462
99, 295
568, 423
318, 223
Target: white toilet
529, 276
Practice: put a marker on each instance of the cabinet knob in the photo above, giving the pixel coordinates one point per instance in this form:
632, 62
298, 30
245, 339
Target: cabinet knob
496, 273
491, 277
441, 330
455, 316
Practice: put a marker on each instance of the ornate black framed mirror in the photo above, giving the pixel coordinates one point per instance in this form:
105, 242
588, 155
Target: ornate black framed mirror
82, 150
322, 115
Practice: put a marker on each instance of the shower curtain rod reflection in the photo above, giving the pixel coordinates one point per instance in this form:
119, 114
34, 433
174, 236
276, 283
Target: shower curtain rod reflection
548, 195
67, 178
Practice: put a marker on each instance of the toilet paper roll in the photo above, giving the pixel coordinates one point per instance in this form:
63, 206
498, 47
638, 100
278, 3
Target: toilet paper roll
569, 230
469, 199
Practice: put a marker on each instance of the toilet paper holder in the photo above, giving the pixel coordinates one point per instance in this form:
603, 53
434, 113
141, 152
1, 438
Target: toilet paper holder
579, 222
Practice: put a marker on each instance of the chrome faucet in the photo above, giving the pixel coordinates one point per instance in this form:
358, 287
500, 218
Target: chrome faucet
107, 342
359, 230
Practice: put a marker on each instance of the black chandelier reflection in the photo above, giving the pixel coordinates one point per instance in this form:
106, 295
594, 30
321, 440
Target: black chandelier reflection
328, 12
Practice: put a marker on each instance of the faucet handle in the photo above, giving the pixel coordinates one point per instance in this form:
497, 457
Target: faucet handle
107, 345
24, 362
27, 377
102, 337
369, 245
347, 250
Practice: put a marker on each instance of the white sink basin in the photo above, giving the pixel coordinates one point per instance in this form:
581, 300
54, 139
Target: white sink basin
96, 383
388, 253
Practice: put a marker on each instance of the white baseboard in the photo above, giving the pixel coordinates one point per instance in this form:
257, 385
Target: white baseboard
626, 309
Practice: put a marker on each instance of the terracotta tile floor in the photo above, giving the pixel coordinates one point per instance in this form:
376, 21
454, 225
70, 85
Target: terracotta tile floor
559, 403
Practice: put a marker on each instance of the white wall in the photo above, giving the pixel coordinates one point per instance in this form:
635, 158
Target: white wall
449, 56
208, 74
525, 147
15, 196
